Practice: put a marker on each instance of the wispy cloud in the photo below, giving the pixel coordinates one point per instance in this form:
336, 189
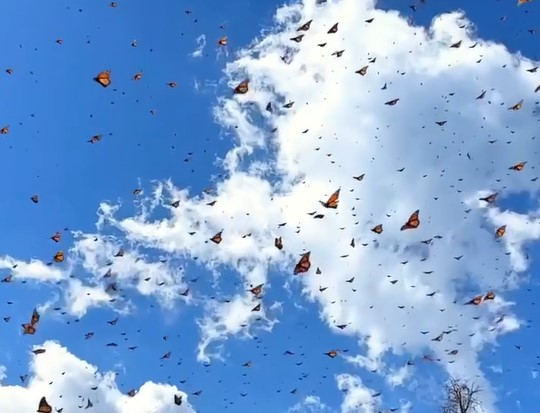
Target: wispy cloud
201, 44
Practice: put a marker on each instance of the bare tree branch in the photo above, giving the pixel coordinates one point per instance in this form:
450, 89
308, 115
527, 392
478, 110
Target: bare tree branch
461, 397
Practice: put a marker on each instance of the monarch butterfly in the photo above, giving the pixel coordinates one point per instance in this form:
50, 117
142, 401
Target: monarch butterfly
35, 199
303, 264
242, 88
104, 78
35, 317
175, 204
113, 4
216, 239
518, 167
94, 139
172, 84
39, 351
537, 89
256, 308
305, 27
456, 45
59, 41
9, 71
132, 393
359, 177
44, 407
4, 130
333, 29
377, 229
278, 243
59, 256
490, 199
137, 76
120, 253
391, 102
517, 106
137, 191
331, 353
413, 222
223, 41
490, 295
500, 231
475, 301
257, 290
56, 237
297, 39
28, 329
178, 400
520, 2
333, 201
362, 71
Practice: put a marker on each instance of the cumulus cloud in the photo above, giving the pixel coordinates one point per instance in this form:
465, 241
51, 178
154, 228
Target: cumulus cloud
357, 396
68, 383
310, 403
339, 127
307, 125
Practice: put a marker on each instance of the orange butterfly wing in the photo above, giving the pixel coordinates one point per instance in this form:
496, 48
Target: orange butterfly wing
490, 295
44, 407
303, 264
104, 78
216, 239
332, 201
413, 222
242, 87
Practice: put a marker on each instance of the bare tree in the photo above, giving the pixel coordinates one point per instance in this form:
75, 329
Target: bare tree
461, 397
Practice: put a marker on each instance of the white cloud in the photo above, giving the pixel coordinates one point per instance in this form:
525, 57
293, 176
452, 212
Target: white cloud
410, 163
310, 403
201, 44
357, 396
340, 127
398, 377
61, 377
3, 373
35, 270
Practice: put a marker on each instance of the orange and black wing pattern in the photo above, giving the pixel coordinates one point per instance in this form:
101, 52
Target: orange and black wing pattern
43, 406
333, 201
59, 256
413, 222
242, 88
500, 231
303, 265
216, 239
518, 167
104, 78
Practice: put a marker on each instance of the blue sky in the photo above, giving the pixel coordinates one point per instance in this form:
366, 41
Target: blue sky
53, 107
